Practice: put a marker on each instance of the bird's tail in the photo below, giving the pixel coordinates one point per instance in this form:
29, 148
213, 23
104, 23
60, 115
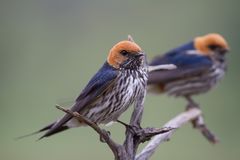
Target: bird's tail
46, 128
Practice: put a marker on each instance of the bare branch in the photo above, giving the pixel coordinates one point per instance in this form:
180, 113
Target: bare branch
146, 134
103, 134
131, 143
176, 122
139, 135
199, 124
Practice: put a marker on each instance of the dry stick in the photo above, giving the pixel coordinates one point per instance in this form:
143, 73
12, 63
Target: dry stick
103, 134
127, 151
139, 135
199, 124
131, 143
176, 122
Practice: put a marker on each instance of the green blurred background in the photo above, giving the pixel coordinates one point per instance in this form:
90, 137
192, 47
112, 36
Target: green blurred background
51, 48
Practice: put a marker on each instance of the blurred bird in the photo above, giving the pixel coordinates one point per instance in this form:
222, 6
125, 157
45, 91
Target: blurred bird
200, 65
118, 83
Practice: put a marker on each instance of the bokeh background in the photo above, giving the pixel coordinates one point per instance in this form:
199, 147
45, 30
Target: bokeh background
51, 48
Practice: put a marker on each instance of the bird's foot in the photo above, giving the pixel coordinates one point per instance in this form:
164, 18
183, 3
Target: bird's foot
132, 128
192, 106
108, 133
191, 103
145, 134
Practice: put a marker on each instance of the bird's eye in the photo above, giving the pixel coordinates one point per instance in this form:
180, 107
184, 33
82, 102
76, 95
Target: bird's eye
124, 52
213, 47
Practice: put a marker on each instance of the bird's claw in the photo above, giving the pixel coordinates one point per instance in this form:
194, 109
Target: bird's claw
108, 133
132, 128
191, 106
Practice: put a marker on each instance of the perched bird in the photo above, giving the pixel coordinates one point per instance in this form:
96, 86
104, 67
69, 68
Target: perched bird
201, 64
117, 84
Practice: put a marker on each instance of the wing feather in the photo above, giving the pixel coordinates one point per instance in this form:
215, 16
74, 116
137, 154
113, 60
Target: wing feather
187, 65
102, 81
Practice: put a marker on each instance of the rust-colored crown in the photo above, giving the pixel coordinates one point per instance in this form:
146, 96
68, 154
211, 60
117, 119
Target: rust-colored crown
202, 43
115, 58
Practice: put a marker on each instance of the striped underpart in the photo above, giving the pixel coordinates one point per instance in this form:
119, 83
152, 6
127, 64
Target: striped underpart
129, 85
197, 84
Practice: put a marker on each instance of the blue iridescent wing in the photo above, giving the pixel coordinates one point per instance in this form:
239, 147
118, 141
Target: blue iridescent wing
189, 63
100, 82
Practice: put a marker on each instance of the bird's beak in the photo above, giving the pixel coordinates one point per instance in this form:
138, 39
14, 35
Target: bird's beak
139, 55
224, 50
